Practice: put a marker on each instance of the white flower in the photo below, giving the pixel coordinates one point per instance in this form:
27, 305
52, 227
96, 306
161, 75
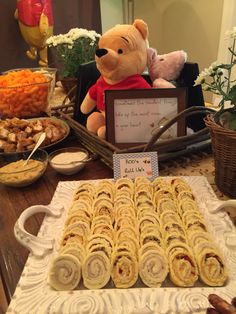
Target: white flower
70, 37
231, 33
74, 48
205, 73
220, 80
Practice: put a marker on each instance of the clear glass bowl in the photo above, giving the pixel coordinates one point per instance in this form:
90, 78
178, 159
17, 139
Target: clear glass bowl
14, 172
69, 160
24, 96
51, 73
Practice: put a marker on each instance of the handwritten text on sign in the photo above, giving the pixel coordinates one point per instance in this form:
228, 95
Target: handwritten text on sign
135, 164
137, 119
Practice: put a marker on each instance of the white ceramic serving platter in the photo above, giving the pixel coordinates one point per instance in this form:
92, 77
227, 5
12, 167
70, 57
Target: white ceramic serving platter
34, 295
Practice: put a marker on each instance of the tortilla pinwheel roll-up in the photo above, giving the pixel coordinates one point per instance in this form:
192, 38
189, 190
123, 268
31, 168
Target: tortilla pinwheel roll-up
103, 206
105, 189
124, 184
65, 272
75, 249
153, 265
124, 271
166, 204
196, 237
178, 185
96, 270
212, 269
183, 267
85, 187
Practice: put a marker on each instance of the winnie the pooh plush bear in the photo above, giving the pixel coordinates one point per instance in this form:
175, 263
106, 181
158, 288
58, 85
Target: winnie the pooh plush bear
121, 58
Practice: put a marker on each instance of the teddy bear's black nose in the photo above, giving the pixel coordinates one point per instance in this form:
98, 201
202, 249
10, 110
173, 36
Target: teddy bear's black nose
101, 52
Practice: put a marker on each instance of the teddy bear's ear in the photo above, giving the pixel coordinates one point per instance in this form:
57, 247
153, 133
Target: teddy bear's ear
141, 27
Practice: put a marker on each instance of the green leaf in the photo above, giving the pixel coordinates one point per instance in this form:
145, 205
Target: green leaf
232, 94
81, 52
232, 51
232, 124
225, 66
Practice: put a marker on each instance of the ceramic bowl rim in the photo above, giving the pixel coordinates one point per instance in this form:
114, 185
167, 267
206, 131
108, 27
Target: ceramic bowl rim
24, 155
65, 150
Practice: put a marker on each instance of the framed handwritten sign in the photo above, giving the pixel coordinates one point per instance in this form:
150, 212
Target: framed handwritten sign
133, 116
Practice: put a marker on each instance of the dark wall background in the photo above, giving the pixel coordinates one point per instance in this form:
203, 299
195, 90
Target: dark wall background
67, 14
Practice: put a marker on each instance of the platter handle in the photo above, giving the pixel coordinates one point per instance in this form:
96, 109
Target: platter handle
38, 246
223, 205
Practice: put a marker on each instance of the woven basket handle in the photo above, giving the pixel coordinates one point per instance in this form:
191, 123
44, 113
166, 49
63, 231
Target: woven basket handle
183, 114
70, 96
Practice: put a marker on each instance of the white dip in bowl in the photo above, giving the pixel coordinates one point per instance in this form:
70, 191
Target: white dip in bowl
68, 160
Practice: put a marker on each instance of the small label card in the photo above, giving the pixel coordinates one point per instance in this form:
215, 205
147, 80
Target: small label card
134, 165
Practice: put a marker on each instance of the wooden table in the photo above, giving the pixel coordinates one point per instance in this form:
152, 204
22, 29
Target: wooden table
15, 200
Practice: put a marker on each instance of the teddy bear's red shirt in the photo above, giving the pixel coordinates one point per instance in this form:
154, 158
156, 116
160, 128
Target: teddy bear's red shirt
97, 91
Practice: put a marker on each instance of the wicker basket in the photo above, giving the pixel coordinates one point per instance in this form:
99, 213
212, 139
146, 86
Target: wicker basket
167, 149
224, 150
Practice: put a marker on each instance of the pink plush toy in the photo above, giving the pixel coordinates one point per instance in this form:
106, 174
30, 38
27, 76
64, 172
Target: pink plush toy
165, 68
